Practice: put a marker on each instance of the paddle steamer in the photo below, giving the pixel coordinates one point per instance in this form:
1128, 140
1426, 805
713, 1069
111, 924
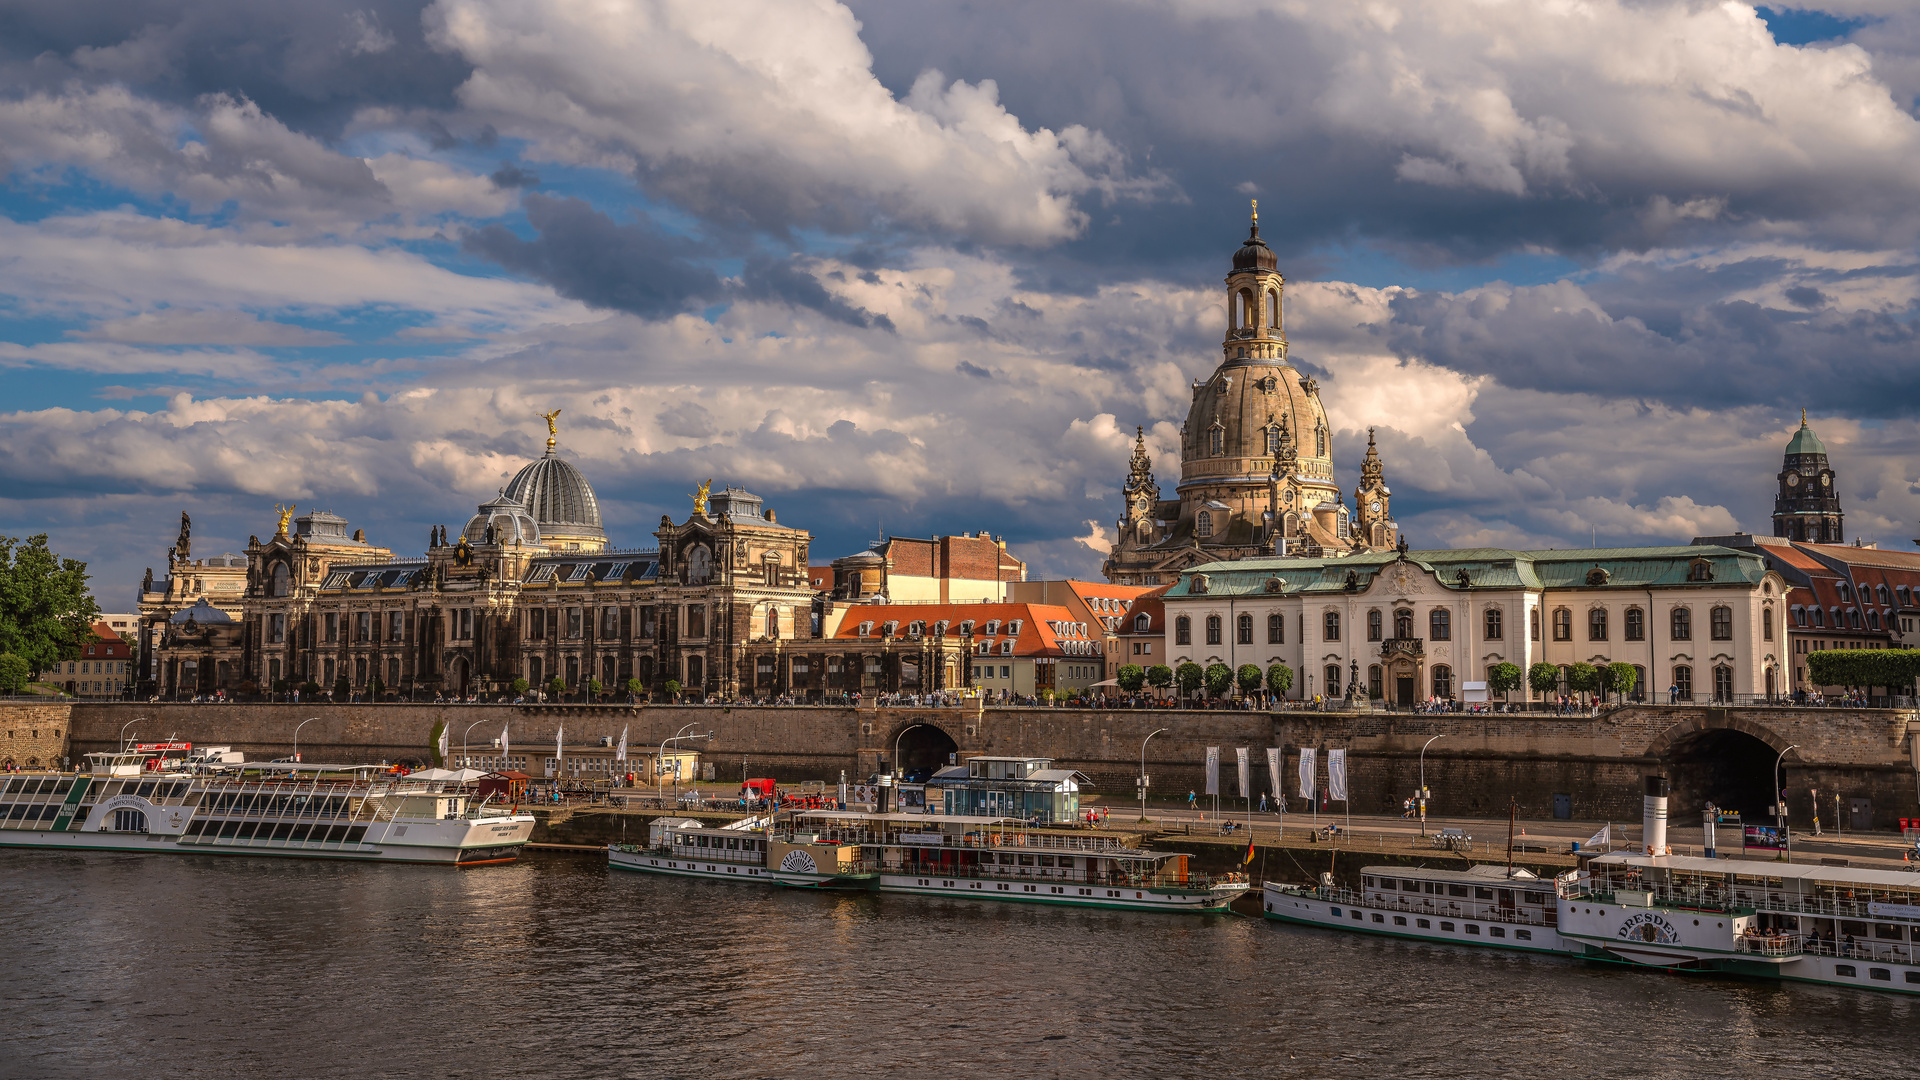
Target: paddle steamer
980, 858
272, 808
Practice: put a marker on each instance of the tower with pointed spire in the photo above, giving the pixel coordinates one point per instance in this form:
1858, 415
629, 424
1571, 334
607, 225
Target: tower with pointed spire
1373, 501
1256, 452
1807, 505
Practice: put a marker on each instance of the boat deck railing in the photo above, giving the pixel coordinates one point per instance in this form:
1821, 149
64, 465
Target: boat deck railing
1026, 874
1879, 951
1047, 843
1769, 945
1736, 900
1450, 909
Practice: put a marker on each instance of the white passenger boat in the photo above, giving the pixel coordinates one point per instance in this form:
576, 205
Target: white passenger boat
278, 808
1840, 926
977, 858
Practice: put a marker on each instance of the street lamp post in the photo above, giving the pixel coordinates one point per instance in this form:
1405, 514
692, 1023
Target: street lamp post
1780, 800
463, 741
296, 735
663, 749
1421, 797
123, 731
1143, 775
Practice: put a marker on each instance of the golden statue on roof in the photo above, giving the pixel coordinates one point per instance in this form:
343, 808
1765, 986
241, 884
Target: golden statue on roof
700, 498
286, 515
1256, 211
553, 433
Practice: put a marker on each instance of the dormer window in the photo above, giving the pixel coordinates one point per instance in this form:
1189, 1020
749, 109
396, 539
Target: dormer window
866, 629
1014, 627
1006, 647
916, 629
1141, 623
1203, 524
890, 629
1846, 593
993, 627
940, 628
1702, 570
966, 627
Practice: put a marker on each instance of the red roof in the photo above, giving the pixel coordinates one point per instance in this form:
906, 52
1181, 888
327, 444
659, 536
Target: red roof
1042, 629
1152, 604
107, 643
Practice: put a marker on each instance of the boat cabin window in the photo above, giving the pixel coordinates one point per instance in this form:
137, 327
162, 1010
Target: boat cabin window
1367, 881
1457, 890
1482, 894
1536, 898
1889, 933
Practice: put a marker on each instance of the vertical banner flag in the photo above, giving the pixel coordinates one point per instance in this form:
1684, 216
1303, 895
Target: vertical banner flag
1246, 773
503, 746
1309, 757
446, 736
621, 753
558, 745
1213, 770
1273, 774
1337, 775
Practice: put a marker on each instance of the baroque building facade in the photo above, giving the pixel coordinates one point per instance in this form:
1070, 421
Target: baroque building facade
1256, 456
530, 588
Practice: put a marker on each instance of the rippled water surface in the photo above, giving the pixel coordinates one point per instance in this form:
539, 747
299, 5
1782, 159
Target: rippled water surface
167, 966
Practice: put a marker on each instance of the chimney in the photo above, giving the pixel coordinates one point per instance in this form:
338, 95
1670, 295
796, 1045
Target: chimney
1653, 821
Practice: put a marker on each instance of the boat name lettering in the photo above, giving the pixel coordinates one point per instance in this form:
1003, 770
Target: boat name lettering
927, 839
121, 801
1895, 911
1649, 926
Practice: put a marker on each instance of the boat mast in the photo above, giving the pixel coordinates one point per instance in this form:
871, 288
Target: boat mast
1513, 809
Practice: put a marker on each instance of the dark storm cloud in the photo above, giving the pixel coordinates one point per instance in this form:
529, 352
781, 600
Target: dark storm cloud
586, 255
310, 64
786, 281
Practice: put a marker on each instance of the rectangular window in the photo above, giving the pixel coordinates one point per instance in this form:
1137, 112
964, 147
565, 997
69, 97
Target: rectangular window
536, 624
1562, 625
1597, 624
1636, 625
277, 629
696, 620
363, 626
1332, 626
573, 622
1682, 624
1213, 629
647, 627
396, 625
609, 623
1720, 623
332, 624
1497, 931
1523, 935
1472, 929
1440, 623
1373, 625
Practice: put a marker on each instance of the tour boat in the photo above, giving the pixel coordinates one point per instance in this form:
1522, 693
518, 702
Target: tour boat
271, 808
1835, 925
978, 858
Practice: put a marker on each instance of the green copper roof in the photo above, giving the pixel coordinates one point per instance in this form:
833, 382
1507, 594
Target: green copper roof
1805, 441
1486, 568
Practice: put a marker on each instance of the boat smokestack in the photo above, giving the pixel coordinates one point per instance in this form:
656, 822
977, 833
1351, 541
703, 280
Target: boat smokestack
1653, 821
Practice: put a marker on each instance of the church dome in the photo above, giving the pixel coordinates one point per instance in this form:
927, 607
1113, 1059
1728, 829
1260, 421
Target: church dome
1232, 412
510, 520
1805, 441
561, 502
201, 613
1254, 254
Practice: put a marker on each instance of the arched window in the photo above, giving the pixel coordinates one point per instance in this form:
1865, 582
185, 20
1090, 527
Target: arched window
773, 622
1244, 316
1819, 617
1636, 625
1213, 629
1442, 681
1597, 624
1333, 680
1216, 440
1203, 523
1533, 624
1332, 626
1276, 629
1273, 439
1373, 625
1494, 628
1881, 591
1722, 683
1403, 623
1562, 624
1720, 623
1183, 631
1320, 441
1273, 309
1682, 624
1440, 624
278, 584
1141, 623
1243, 629
1846, 593
1682, 682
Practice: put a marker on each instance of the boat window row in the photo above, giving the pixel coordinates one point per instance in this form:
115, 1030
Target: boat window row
1472, 929
288, 831
729, 843
1448, 888
30, 812
1848, 971
36, 785
276, 805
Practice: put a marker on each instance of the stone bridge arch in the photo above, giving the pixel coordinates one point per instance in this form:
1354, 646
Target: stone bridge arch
924, 742
1725, 759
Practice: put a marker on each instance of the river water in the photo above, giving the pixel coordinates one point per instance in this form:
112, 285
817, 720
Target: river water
169, 966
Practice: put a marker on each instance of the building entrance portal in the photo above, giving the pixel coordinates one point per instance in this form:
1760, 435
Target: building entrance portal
1403, 689
1730, 769
925, 747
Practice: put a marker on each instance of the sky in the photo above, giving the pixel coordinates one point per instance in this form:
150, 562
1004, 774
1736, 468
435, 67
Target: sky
906, 269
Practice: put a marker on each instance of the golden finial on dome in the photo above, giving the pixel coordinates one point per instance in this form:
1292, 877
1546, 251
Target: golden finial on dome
553, 432
1803, 416
1256, 211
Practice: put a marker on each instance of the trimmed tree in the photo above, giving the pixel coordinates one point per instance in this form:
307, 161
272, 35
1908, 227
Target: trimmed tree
13, 673
1864, 668
593, 689
1583, 678
1279, 679
1504, 678
673, 687
309, 689
1219, 680
376, 689
519, 686
1130, 677
556, 686
1620, 678
342, 690
1160, 676
1189, 676
1543, 678
634, 687
1249, 677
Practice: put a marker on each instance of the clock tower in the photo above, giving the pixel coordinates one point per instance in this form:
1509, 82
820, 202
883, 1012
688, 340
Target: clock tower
1807, 507
1376, 529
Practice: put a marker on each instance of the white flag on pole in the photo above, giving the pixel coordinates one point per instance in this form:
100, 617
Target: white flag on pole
558, 745
1213, 770
503, 746
1273, 774
1337, 775
446, 734
621, 754
1603, 838
1309, 757
1246, 773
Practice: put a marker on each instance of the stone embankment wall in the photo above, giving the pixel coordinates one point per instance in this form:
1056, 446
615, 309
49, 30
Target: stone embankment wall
1474, 766
33, 735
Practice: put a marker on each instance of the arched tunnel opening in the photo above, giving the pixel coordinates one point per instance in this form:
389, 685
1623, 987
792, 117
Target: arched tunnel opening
1730, 769
923, 750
